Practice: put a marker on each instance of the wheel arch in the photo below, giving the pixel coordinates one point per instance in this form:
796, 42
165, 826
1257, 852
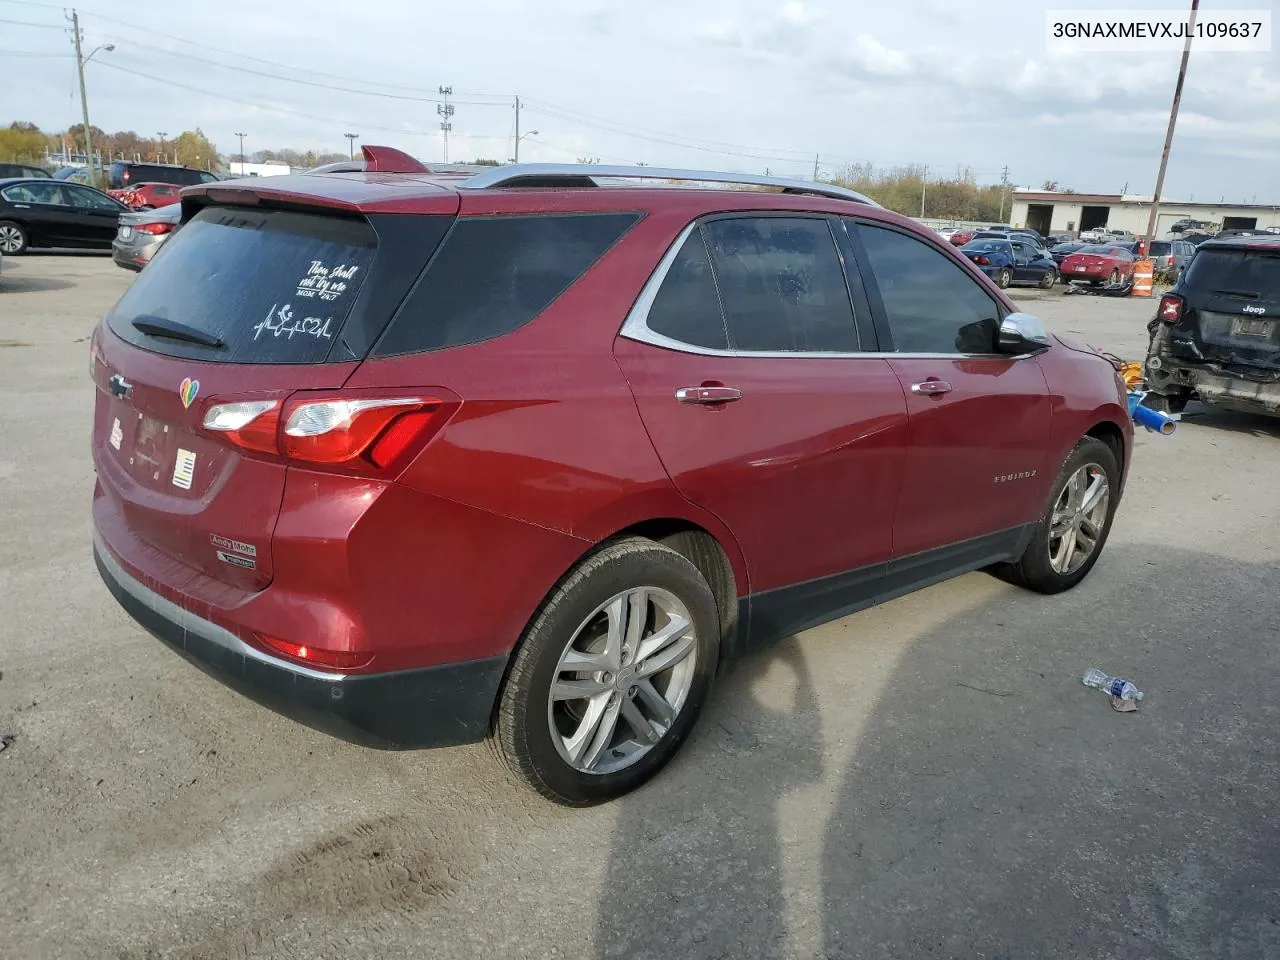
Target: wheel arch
717, 558
1110, 434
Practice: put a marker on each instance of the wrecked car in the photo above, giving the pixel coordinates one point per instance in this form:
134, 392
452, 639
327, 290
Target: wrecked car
1216, 334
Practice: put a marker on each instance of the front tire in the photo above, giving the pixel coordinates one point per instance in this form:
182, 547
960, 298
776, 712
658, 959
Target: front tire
1004, 278
1070, 536
13, 239
610, 675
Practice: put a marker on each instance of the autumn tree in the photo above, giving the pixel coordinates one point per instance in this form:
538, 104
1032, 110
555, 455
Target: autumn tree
22, 142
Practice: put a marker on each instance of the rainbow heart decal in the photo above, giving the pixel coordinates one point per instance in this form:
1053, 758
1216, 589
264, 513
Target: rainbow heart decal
187, 390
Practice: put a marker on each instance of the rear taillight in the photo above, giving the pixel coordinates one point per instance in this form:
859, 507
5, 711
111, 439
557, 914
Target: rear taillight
363, 434
1170, 310
153, 228
982, 261
314, 656
251, 424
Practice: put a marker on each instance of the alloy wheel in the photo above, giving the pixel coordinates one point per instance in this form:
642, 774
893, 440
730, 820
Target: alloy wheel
1078, 519
10, 239
622, 680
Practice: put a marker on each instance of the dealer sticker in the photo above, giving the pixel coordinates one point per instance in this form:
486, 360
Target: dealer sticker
237, 546
184, 468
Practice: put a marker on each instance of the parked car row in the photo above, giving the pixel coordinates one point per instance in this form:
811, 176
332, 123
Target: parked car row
59, 212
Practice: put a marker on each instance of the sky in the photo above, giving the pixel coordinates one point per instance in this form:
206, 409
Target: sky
740, 85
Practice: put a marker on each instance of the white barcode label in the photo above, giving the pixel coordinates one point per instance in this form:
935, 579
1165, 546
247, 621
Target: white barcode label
184, 468
116, 433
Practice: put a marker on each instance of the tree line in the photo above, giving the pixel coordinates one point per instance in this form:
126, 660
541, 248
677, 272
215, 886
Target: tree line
909, 190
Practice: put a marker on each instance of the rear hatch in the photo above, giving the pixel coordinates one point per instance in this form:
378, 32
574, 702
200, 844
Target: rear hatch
243, 304
1232, 309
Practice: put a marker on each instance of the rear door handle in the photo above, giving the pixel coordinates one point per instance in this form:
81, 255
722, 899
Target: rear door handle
931, 388
708, 394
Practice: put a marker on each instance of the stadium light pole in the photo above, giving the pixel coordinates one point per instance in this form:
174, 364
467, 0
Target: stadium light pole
351, 144
242, 136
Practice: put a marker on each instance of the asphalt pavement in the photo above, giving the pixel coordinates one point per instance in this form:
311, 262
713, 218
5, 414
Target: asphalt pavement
925, 779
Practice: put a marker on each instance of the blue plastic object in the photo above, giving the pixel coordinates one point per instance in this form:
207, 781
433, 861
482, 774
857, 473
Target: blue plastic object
1153, 420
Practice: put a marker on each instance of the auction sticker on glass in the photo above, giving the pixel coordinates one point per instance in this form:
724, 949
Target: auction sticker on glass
1099, 30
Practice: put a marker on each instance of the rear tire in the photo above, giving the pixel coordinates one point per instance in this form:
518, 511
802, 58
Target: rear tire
1049, 564
13, 238
1048, 280
1114, 278
1004, 278
585, 639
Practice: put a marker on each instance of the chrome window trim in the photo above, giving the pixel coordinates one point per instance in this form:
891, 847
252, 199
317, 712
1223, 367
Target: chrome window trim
636, 327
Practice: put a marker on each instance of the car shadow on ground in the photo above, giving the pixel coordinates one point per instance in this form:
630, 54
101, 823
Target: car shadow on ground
990, 804
1252, 424
16, 283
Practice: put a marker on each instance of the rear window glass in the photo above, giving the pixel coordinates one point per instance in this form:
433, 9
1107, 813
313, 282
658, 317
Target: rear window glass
1160, 248
272, 286
1253, 273
986, 246
494, 274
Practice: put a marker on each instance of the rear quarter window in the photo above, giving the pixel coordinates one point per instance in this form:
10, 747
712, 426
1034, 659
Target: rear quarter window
494, 274
274, 286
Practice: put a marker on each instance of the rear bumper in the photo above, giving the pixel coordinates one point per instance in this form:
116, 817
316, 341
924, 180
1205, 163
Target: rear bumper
130, 257
427, 707
1173, 376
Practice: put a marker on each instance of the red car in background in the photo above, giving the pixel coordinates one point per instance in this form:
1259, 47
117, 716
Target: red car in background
961, 237
148, 196
1099, 263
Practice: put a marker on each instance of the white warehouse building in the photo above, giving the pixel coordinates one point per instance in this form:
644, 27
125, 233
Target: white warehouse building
1051, 212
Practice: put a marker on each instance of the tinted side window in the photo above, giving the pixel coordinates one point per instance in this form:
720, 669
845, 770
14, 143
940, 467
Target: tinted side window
781, 285
495, 274
84, 197
931, 304
687, 307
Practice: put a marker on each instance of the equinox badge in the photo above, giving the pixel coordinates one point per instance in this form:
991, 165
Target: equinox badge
120, 387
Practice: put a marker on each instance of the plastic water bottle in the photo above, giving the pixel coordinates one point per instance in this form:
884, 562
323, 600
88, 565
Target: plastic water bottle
1116, 686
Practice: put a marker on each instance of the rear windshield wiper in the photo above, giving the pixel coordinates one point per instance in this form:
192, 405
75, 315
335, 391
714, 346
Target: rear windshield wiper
1242, 294
155, 326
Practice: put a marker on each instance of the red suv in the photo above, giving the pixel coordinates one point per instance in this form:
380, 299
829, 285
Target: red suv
420, 459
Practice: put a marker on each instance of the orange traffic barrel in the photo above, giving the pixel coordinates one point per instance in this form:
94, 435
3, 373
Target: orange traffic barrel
1143, 273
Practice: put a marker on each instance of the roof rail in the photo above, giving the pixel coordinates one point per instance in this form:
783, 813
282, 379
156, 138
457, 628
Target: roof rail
588, 174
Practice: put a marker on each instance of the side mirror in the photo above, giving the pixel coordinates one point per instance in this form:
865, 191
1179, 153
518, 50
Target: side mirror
1022, 333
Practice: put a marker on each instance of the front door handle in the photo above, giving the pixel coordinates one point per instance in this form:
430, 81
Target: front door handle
708, 394
931, 388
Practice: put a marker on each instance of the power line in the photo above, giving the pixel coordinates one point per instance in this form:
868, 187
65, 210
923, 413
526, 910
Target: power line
32, 23
275, 63
33, 53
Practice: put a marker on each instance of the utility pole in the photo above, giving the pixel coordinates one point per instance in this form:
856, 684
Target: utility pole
242, 136
160, 149
84, 102
1004, 183
445, 110
815, 168
516, 157
924, 183
351, 144
1173, 120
